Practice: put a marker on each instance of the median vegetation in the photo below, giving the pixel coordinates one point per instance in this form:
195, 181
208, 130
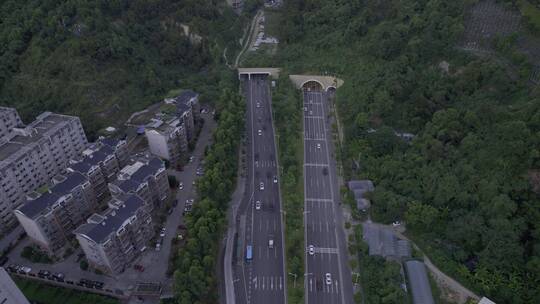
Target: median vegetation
465, 178
286, 104
195, 279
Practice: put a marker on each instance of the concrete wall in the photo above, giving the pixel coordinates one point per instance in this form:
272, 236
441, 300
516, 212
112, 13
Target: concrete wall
157, 144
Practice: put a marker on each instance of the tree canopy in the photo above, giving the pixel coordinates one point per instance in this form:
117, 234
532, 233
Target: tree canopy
464, 184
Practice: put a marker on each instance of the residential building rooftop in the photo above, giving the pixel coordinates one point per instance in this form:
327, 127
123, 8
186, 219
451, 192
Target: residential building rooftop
112, 219
32, 208
23, 139
70, 182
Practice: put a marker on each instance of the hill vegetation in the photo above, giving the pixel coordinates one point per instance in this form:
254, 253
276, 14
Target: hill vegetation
465, 184
103, 59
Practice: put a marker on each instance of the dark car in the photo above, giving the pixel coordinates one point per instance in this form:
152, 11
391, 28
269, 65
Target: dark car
175, 203
12, 268
59, 276
325, 171
44, 274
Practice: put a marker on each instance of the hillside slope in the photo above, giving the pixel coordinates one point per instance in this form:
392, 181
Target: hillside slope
104, 59
465, 184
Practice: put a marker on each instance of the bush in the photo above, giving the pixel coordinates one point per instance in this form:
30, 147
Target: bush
35, 255
83, 264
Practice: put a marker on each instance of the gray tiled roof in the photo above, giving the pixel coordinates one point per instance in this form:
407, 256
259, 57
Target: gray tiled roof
382, 241
365, 185
147, 170
34, 207
109, 141
81, 167
72, 180
418, 282
128, 185
114, 219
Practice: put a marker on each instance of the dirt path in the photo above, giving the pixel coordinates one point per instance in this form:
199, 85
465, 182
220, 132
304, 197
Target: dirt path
247, 41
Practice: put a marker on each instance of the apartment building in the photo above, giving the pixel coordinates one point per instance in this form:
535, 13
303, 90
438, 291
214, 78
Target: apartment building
50, 218
113, 239
120, 148
167, 139
147, 178
188, 110
9, 119
9, 292
31, 156
100, 163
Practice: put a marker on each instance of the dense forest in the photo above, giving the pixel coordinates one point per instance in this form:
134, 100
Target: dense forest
465, 184
103, 59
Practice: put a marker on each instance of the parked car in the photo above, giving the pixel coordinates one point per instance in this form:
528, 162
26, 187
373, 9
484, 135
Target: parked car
181, 186
258, 205
58, 277
158, 246
12, 268
24, 270
138, 267
175, 203
44, 274
261, 186
275, 179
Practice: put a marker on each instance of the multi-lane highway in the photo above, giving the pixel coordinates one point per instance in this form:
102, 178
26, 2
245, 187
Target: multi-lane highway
328, 277
259, 274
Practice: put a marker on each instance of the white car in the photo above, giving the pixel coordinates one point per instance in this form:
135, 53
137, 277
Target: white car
181, 186
396, 223
25, 269
261, 186
305, 109
258, 104
259, 132
318, 146
158, 247
311, 250
258, 205
275, 179
328, 278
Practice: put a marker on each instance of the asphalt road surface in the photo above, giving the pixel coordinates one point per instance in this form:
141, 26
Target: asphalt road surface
260, 279
322, 212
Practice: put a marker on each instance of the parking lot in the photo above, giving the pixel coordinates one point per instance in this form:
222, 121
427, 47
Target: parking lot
151, 265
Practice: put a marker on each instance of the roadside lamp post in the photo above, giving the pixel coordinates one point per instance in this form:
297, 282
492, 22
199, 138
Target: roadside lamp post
294, 274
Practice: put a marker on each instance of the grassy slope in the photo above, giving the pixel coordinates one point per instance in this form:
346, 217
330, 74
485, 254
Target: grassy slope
48, 294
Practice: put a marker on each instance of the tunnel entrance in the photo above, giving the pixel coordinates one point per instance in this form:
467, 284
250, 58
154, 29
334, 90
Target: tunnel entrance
312, 85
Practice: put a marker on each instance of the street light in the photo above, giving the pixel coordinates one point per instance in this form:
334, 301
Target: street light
294, 274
